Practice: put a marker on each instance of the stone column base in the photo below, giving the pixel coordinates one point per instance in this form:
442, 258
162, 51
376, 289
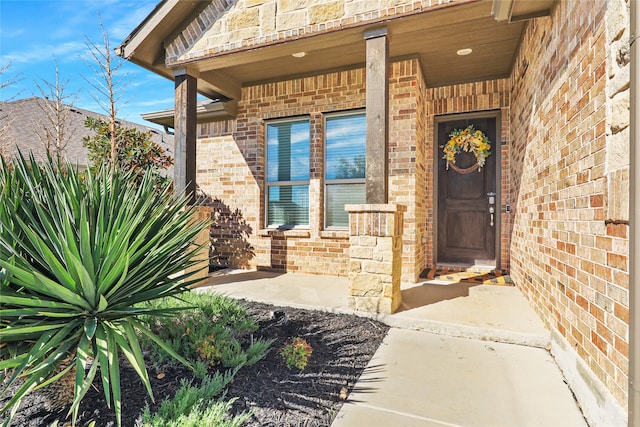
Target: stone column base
375, 265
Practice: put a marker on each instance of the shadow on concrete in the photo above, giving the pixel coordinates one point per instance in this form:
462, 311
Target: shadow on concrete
230, 275
432, 293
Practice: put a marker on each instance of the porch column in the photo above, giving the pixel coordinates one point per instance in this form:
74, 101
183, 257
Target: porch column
185, 132
377, 109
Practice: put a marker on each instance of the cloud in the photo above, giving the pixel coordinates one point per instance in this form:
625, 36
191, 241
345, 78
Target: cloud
155, 102
45, 53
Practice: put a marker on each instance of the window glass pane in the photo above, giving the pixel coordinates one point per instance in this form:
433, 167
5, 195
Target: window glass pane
288, 151
288, 205
337, 196
345, 146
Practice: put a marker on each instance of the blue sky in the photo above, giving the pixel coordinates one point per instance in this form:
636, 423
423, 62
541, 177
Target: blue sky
33, 32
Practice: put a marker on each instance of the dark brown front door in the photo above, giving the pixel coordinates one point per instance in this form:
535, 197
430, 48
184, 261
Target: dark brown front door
466, 229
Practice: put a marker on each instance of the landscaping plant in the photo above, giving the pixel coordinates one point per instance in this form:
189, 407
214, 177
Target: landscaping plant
211, 333
296, 353
194, 406
79, 253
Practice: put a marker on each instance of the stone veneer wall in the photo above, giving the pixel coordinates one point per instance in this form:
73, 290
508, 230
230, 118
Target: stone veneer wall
569, 189
230, 169
375, 264
228, 25
464, 98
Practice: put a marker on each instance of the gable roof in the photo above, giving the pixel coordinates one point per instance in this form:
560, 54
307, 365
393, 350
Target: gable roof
25, 118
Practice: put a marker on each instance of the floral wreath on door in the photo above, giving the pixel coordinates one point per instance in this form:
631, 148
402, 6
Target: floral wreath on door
468, 140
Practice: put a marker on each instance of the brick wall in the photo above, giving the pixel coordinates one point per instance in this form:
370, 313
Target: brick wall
230, 171
405, 95
464, 98
568, 163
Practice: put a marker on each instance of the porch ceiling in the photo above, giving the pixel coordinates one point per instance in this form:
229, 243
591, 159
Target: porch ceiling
433, 37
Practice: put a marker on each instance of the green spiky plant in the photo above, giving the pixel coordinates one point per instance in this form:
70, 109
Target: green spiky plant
78, 253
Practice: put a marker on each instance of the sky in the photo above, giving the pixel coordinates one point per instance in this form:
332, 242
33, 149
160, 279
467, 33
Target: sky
34, 34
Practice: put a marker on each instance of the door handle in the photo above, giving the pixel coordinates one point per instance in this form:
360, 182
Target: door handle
491, 211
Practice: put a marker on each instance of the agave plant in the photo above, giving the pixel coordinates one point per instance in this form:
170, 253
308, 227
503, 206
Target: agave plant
79, 253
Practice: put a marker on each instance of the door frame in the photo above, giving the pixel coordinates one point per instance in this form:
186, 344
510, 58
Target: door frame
496, 151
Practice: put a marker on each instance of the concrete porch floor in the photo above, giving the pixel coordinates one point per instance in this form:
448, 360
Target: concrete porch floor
447, 361
485, 312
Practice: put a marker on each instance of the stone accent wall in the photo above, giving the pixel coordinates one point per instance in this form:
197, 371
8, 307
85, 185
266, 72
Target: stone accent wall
569, 187
464, 98
375, 257
227, 25
230, 170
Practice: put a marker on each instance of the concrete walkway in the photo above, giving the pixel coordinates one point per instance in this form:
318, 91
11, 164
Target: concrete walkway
449, 359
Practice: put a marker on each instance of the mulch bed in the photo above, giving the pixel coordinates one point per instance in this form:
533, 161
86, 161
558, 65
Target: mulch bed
277, 396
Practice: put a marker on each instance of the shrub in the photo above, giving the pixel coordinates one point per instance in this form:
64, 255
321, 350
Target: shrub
296, 353
78, 255
136, 151
192, 406
209, 334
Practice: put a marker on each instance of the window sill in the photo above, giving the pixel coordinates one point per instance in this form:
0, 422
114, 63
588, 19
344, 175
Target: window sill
269, 232
334, 234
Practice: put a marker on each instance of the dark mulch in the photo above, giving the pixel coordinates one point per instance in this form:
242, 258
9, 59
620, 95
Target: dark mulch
277, 396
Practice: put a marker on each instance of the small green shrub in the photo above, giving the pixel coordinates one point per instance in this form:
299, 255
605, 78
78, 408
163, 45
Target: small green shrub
209, 334
258, 350
296, 353
193, 406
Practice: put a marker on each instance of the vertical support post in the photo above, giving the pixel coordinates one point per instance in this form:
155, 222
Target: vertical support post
377, 110
185, 132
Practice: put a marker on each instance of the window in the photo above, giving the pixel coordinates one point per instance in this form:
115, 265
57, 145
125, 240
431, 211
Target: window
288, 173
345, 155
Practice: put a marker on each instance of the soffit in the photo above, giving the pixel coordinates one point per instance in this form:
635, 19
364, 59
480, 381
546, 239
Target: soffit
433, 37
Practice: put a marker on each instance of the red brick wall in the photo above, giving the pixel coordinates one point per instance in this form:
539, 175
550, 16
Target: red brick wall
231, 170
571, 265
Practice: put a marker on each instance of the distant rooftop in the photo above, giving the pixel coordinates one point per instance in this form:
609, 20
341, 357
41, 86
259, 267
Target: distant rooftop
25, 119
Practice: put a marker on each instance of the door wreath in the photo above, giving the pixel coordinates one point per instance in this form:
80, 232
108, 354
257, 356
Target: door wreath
468, 139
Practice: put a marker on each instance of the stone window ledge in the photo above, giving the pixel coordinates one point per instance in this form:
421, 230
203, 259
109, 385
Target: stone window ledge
270, 232
334, 234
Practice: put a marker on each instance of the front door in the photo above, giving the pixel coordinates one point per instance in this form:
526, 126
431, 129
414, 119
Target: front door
467, 204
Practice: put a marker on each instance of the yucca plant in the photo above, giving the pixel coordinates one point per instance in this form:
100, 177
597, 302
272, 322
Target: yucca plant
78, 253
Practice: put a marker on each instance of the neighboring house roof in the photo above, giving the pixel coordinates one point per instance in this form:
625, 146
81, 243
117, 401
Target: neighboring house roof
25, 119
206, 111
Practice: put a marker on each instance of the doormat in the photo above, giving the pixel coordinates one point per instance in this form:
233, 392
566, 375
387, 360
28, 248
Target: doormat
480, 276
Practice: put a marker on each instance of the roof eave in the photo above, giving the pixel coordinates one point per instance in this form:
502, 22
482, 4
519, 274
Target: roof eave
205, 113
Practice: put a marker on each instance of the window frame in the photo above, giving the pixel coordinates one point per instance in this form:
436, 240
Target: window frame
291, 183
327, 182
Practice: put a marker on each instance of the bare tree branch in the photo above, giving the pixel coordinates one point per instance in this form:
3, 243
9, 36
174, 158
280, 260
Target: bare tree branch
108, 83
5, 119
54, 133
